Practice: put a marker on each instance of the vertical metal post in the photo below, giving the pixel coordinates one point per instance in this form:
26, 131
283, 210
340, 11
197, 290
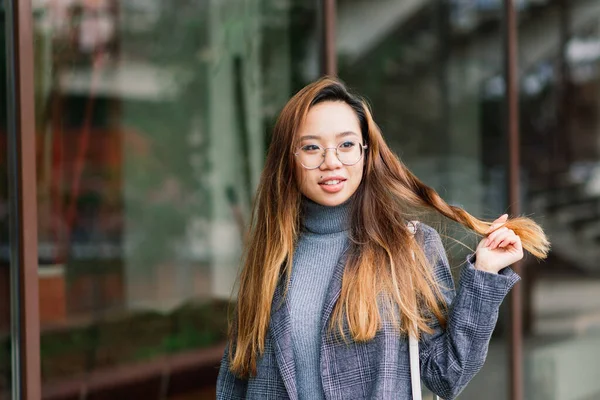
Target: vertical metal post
443, 136
329, 48
561, 143
512, 107
25, 332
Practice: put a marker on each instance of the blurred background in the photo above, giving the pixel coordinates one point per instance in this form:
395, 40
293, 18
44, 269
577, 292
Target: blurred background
152, 120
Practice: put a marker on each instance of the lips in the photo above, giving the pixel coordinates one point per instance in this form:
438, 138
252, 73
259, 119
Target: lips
332, 184
332, 180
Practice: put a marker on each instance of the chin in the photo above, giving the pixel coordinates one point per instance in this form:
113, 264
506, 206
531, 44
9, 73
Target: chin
332, 200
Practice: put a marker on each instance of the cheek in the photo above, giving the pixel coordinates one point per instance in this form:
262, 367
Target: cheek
301, 176
358, 172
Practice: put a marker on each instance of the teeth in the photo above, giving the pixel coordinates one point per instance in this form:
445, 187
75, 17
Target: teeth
334, 182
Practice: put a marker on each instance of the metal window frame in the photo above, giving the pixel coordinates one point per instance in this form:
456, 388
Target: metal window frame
328, 24
514, 190
25, 328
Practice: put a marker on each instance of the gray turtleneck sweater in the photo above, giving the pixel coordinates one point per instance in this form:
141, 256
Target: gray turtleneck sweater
323, 240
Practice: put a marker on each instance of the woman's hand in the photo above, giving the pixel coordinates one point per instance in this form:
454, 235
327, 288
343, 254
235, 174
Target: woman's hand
501, 248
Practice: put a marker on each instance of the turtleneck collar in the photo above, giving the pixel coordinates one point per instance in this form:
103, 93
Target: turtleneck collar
320, 219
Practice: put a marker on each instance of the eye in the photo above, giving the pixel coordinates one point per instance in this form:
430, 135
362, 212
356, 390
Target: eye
310, 148
347, 145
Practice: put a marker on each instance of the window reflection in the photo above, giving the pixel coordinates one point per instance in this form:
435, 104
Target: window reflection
561, 155
424, 66
152, 127
434, 73
152, 124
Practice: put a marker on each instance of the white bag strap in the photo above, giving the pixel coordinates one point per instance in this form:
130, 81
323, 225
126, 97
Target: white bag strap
413, 346
415, 371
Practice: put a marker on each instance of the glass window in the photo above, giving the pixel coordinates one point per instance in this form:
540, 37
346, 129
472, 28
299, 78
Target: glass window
153, 123
560, 146
432, 71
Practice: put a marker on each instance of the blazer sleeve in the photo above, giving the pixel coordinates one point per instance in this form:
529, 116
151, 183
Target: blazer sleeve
229, 387
451, 357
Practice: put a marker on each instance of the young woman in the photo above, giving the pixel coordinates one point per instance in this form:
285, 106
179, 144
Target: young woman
334, 280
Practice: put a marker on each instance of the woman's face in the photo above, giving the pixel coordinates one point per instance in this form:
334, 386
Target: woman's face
331, 125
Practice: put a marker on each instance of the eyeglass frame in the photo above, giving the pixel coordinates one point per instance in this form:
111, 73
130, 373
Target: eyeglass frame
362, 154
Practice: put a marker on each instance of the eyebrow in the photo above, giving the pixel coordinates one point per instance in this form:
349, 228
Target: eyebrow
339, 135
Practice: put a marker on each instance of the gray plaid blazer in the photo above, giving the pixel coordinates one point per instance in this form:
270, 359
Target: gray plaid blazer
380, 368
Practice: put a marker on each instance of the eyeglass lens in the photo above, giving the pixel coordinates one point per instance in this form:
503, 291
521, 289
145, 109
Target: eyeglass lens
313, 155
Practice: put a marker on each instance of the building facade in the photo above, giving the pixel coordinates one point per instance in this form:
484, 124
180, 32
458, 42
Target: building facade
133, 134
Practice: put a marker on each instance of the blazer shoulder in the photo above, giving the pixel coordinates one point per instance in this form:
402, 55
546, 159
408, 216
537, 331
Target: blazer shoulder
428, 235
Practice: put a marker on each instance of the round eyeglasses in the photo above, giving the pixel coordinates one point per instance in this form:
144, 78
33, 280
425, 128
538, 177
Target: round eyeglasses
312, 156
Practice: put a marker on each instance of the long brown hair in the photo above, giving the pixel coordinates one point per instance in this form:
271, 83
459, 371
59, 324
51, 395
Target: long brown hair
380, 268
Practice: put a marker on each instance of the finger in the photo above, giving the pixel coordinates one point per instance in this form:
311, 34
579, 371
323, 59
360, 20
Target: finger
502, 218
518, 245
509, 240
489, 238
494, 243
498, 223
501, 237
492, 236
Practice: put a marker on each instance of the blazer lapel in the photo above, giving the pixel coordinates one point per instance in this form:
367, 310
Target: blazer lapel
282, 337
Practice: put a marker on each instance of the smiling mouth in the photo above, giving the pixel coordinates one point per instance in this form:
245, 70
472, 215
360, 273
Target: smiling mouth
332, 182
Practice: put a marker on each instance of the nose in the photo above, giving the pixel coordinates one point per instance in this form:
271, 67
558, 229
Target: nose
331, 160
